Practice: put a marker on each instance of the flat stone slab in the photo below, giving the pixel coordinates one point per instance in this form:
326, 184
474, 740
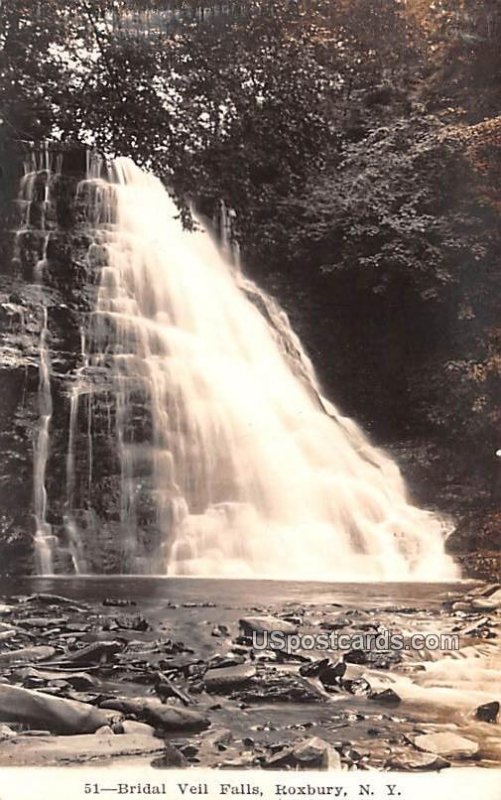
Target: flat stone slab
228, 677
27, 654
413, 761
267, 625
489, 603
447, 745
42, 751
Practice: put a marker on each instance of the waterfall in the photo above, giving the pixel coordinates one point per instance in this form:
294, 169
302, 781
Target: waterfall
41, 168
220, 427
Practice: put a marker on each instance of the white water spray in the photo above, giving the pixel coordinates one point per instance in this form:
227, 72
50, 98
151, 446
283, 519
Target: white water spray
250, 471
40, 169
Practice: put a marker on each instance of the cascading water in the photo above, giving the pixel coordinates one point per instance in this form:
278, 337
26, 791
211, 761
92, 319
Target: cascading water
41, 168
219, 420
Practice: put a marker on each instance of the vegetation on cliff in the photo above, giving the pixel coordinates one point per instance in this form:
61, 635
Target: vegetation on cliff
358, 143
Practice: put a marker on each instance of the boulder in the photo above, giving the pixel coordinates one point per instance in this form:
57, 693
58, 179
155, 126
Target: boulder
129, 726
6, 732
171, 718
55, 714
461, 605
216, 740
331, 674
356, 656
489, 712
314, 668
166, 717
314, 753
280, 687
220, 679
268, 625
359, 687
388, 697
447, 745
416, 761
220, 630
170, 758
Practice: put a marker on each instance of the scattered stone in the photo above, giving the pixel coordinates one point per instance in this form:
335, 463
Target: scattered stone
388, 697
356, 657
130, 727
266, 625
27, 654
313, 753
221, 737
489, 603
6, 732
489, 712
219, 661
96, 653
284, 656
56, 714
219, 679
170, 758
282, 688
165, 688
77, 627
189, 750
220, 630
484, 591
359, 687
105, 730
332, 673
335, 624
7, 634
129, 622
314, 668
78, 680
447, 745
479, 628
412, 761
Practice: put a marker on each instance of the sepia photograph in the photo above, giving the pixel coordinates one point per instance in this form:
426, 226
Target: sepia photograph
250, 398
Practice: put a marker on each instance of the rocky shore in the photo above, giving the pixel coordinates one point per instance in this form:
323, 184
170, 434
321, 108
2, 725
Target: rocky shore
191, 684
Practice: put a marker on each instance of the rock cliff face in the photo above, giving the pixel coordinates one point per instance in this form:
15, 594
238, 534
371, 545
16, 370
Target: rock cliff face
44, 223
50, 267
